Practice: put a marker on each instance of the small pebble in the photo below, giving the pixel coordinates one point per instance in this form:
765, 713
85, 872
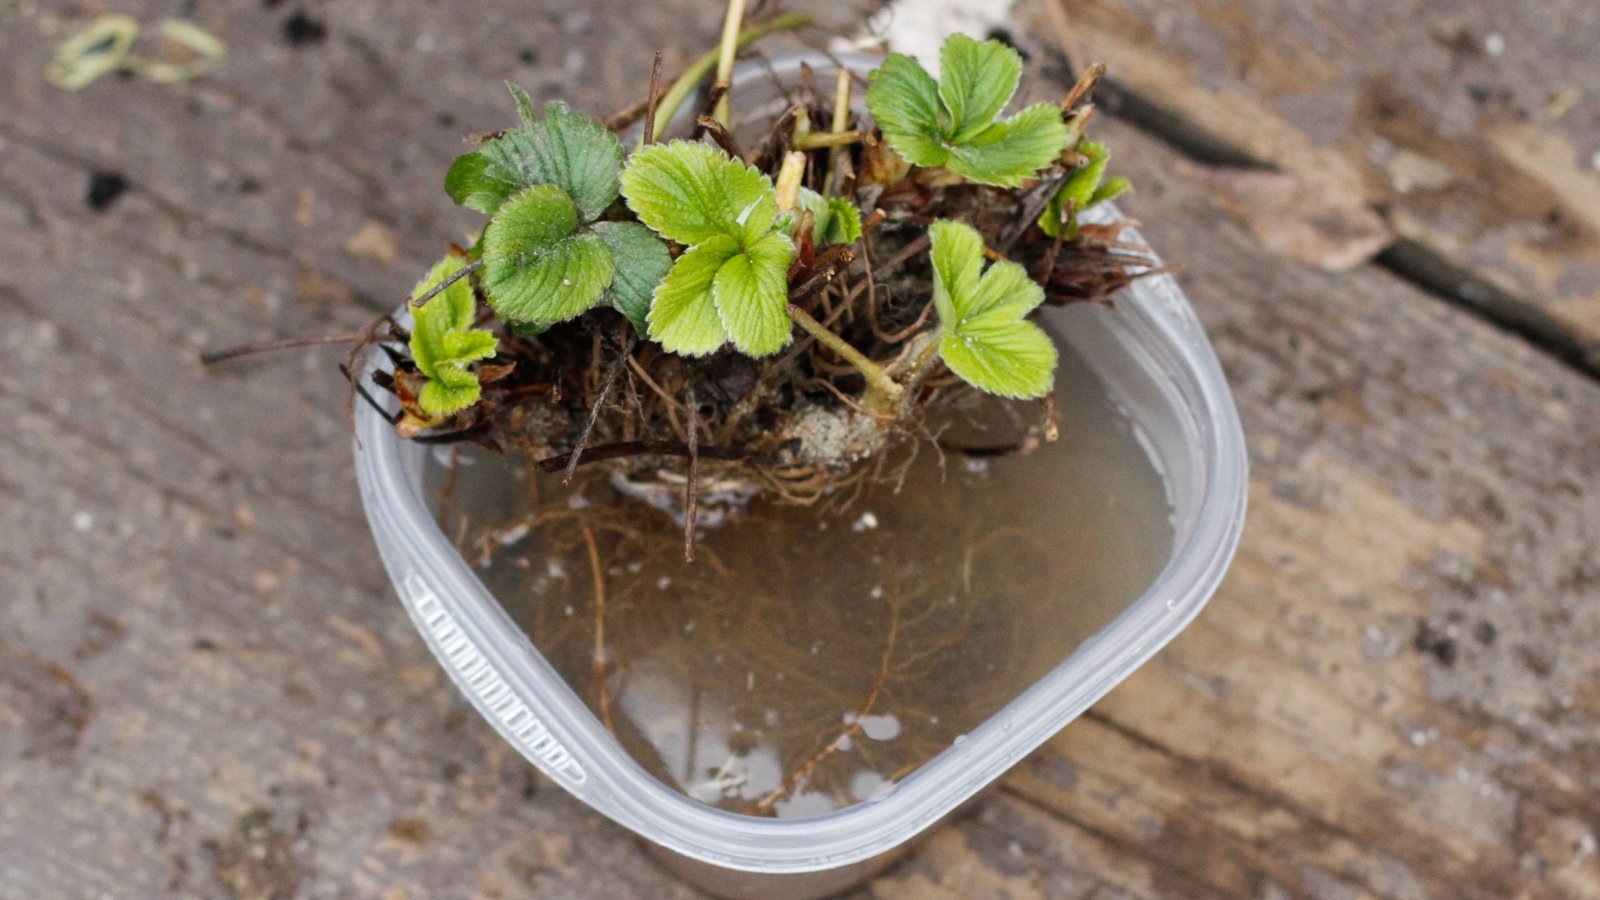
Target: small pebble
82, 521
1494, 44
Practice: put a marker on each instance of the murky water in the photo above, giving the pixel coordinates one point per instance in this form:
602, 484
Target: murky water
809, 659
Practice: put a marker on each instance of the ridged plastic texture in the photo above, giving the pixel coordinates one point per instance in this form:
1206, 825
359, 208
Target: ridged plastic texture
1153, 357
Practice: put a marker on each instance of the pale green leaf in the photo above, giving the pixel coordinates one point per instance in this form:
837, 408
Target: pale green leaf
1016, 361
844, 223
984, 337
471, 344
1083, 182
566, 149
1082, 189
1005, 293
957, 254
448, 397
1006, 153
904, 100
835, 220
683, 314
751, 291
537, 267
952, 122
689, 192
443, 341
976, 81
641, 260
525, 108
1110, 190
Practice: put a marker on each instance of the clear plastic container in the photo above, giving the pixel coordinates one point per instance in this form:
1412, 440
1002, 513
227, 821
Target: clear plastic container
1153, 358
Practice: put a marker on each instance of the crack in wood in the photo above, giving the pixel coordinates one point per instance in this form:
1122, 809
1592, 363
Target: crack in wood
1412, 262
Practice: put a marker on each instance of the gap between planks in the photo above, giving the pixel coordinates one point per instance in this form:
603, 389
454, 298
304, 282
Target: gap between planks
1416, 264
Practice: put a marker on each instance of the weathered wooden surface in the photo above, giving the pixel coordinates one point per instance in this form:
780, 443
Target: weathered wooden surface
206, 688
1473, 127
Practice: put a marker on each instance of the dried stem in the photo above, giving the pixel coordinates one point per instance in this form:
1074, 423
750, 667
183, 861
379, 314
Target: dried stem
841, 121
612, 372
602, 691
721, 135
691, 486
440, 288
1052, 419
625, 449
360, 390
1086, 82
216, 356
690, 79
652, 100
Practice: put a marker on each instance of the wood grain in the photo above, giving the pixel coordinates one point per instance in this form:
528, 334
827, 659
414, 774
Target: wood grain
206, 688
1472, 127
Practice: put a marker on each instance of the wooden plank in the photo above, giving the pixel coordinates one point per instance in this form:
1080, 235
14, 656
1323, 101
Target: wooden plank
1392, 695
1472, 128
206, 688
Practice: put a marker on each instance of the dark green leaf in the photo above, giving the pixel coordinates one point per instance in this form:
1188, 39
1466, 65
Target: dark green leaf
566, 149
468, 183
641, 261
537, 267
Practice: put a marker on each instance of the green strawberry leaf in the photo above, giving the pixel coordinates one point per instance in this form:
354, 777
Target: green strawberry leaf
566, 149
689, 192
537, 265
957, 255
1017, 362
732, 282
641, 261
904, 100
952, 122
525, 108
444, 343
1111, 189
976, 81
469, 184
1008, 152
985, 338
683, 313
751, 292
1082, 189
835, 220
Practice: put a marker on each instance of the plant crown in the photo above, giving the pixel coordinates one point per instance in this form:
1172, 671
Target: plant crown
699, 255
